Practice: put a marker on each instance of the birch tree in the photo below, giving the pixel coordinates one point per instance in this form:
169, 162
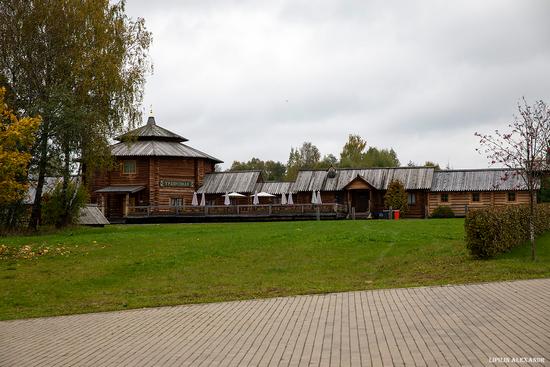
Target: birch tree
81, 65
524, 149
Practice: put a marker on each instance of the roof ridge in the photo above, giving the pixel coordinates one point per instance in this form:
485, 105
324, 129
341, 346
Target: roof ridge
480, 169
361, 168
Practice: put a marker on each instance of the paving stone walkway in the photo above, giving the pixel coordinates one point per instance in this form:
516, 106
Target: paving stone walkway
482, 324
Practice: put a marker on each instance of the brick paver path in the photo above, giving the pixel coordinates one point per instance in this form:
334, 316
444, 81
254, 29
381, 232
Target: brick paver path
454, 325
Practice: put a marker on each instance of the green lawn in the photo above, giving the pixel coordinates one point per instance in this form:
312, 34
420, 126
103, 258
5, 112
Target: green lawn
118, 267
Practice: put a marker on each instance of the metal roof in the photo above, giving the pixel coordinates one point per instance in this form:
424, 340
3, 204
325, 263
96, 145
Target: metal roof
158, 149
236, 181
478, 180
151, 131
49, 185
413, 178
274, 188
120, 189
90, 215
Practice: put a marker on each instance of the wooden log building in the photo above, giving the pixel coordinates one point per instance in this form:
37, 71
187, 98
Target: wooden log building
154, 168
476, 188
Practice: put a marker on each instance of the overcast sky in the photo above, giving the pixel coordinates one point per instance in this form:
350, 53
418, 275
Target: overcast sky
243, 79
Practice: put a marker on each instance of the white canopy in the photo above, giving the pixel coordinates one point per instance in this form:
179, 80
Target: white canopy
313, 197
265, 195
255, 199
290, 200
283, 199
194, 202
318, 199
203, 200
234, 195
227, 201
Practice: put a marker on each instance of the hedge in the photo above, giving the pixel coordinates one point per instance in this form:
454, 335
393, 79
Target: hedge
495, 230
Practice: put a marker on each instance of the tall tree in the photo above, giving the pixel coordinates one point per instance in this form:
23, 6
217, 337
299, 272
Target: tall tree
432, 164
274, 171
329, 160
81, 65
353, 152
524, 150
380, 158
16, 140
306, 157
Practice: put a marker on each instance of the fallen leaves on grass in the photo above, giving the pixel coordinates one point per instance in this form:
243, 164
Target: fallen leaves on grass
28, 252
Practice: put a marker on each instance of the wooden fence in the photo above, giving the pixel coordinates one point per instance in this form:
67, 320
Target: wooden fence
263, 210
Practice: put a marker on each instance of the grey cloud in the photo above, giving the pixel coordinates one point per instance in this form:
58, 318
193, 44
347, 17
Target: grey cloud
253, 78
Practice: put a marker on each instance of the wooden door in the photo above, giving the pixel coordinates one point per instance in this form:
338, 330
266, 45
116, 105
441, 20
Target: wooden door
360, 200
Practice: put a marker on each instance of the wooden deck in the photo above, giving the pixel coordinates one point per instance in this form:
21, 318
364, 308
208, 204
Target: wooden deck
140, 214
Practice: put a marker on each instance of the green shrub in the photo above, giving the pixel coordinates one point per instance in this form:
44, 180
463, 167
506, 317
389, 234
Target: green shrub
443, 212
13, 216
495, 230
59, 212
396, 196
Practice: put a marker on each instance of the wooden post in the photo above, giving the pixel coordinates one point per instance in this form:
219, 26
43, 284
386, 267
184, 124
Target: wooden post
102, 201
370, 201
353, 213
318, 213
126, 203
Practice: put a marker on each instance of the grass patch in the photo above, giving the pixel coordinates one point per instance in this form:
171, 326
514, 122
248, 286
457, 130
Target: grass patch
120, 267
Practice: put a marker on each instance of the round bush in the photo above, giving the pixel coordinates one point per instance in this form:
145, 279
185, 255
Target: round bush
443, 212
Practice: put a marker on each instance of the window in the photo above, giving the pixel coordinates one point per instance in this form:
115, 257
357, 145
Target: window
444, 198
129, 167
176, 201
475, 196
411, 198
511, 196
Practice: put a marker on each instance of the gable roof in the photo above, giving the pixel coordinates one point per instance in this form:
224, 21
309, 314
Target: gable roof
235, 181
413, 178
359, 178
151, 131
478, 180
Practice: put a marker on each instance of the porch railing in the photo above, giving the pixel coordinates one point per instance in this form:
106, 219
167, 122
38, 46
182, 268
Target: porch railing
237, 210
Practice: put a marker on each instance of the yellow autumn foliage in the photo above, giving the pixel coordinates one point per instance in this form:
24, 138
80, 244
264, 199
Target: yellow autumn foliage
16, 139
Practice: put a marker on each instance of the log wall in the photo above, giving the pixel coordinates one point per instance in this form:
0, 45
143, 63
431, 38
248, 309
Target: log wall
149, 173
459, 200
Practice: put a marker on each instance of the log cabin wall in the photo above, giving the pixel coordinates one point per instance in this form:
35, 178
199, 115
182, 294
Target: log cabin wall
177, 171
418, 209
459, 200
115, 177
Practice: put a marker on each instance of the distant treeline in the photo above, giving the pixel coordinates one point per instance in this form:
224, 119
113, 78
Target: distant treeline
355, 153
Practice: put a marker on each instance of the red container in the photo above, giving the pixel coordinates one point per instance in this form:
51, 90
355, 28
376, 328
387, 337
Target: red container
396, 214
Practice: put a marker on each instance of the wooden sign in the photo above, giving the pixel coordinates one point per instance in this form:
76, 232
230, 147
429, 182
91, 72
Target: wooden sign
176, 183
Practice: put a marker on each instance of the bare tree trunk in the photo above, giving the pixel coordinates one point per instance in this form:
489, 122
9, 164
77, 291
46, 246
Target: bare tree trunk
36, 212
64, 220
532, 223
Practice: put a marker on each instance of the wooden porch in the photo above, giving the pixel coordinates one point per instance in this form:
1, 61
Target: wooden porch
236, 212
